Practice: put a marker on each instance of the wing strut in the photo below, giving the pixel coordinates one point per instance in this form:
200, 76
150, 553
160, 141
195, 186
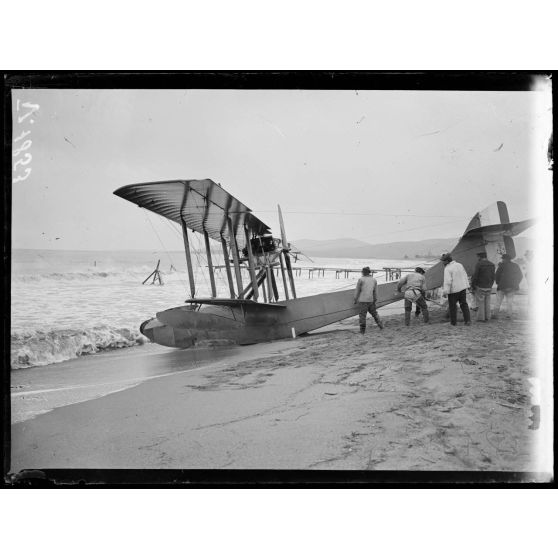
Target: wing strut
286, 248
251, 264
283, 275
210, 265
228, 267
187, 245
234, 249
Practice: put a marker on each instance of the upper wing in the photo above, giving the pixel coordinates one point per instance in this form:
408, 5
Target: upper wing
202, 204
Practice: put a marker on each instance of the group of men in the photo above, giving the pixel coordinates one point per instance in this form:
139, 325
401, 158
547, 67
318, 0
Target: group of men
456, 283
508, 276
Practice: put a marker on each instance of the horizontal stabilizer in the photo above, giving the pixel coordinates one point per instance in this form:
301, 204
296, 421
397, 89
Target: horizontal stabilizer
507, 229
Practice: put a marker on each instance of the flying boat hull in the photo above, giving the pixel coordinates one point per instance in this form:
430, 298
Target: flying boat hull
244, 324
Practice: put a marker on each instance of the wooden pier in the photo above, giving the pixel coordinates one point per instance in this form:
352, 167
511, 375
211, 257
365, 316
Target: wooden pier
311, 270
391, 273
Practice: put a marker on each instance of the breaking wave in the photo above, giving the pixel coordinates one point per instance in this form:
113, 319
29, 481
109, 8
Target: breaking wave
39, 348
79, 275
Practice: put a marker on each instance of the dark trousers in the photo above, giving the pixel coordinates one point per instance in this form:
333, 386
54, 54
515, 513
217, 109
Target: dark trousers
420, 302
365, 308
453, 299
421, 305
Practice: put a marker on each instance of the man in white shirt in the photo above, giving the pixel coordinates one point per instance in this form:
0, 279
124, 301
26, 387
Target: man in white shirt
366, 295
456, 284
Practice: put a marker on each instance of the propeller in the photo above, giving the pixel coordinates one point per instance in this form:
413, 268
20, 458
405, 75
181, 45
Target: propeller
286, 245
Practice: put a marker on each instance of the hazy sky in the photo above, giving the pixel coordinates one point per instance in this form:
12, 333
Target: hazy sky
379, 166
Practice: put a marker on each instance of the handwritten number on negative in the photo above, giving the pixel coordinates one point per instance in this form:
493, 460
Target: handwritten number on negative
22, 135
23, 147
34, 107
20, 178
27, 158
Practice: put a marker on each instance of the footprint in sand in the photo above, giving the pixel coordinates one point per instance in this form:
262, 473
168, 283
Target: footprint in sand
469, 361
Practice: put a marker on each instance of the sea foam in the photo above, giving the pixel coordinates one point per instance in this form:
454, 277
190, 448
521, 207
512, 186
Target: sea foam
80, 275
39, 348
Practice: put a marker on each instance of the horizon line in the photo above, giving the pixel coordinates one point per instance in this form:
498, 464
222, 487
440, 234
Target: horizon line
160, 249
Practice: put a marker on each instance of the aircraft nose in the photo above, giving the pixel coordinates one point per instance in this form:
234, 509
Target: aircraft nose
143, 331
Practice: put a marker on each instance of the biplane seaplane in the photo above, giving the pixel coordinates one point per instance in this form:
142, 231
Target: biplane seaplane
263, 310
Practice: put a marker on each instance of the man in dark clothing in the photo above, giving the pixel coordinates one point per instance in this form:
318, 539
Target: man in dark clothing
508, 277
481, 283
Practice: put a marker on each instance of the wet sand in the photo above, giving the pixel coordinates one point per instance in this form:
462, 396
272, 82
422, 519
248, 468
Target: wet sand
424, 397
37, 390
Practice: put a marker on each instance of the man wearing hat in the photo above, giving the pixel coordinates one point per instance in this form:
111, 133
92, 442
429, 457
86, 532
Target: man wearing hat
455, 288
414, 287
508, 276
481, 283
366, 296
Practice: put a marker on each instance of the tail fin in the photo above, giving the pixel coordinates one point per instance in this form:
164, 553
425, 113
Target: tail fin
488, 231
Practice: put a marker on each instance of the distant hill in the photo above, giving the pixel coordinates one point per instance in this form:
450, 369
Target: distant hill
340, 247
417, 249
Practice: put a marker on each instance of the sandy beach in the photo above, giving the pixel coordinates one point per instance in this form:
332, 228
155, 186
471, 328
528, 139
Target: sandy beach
424, 397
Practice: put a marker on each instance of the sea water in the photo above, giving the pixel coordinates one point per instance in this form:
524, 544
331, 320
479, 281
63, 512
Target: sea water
65, 304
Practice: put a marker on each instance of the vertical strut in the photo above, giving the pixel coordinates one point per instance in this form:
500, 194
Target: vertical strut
281, 261
274, 285
251, 264
234, 248
210, 265
228, 267
188, 258
290, 272
263, 286
268, 275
